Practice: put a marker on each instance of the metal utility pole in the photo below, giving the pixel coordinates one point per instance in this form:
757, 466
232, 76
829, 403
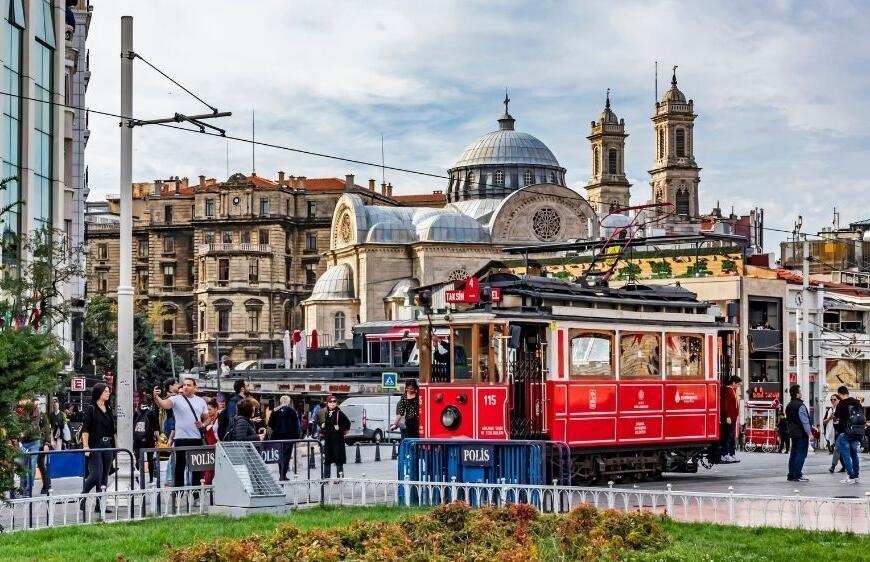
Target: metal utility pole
804, 375
124, 375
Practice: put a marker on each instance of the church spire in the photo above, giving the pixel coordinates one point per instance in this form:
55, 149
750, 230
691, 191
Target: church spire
506, 122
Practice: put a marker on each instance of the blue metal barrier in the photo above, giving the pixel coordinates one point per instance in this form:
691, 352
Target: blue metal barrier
488, 461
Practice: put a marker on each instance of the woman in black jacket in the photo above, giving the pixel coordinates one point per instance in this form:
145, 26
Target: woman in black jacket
98, 432
242, 425
335, 425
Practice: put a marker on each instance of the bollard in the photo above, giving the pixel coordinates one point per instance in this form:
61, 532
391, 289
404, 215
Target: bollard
311, 463
395, 454
358, 456
377, 452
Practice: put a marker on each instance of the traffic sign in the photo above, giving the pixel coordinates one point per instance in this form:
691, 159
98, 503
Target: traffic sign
78, 384
390, 380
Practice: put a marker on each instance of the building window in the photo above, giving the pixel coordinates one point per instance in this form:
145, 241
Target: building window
209, 237
552, 177
42, 74
681, 143
596, 161
264, 206
498, 178
168, 245
143, 281
227, 237
310, 275
168, 275
264, 237
103, 281
245, 237
469, 181
143, 249
338, 324
312, 209
528, 177
254, 272
611, 161
682, 202
102, 251
11, 127
223, 315
191, 273
288, 263
310, 242
168, 326
661, 143
253, 319
190, 320
167, 214
202, 320
209, 207
223, 270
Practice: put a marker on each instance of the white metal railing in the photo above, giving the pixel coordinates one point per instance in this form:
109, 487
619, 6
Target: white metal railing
745, 510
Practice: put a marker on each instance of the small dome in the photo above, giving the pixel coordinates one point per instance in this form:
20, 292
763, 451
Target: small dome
607, 116
336, 284
389, 233
401, 288
451, 227
674, 94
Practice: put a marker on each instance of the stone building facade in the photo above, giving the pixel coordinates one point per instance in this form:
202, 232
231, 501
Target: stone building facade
224, 264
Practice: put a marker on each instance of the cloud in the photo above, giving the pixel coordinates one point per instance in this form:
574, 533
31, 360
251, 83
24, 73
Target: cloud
779, 89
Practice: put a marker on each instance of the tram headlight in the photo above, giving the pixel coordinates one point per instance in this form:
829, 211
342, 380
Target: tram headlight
451, 418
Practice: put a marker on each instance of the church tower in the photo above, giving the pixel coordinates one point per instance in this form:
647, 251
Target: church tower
608, 189
675, 175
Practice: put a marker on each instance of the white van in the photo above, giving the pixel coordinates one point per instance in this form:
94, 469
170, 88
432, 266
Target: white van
370, 417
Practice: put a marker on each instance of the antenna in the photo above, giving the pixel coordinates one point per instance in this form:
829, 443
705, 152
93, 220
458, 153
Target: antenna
253, 143
656, 100
383, 175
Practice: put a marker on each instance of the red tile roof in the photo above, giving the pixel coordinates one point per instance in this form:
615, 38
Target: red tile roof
325, 184
436, 198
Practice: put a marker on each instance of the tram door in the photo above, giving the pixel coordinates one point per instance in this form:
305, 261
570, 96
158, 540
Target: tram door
527, 368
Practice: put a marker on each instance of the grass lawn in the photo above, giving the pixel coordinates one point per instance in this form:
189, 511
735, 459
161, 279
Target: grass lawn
145, 540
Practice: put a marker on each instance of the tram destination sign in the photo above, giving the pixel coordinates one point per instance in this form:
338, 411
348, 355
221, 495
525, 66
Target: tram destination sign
471, 293
477, 455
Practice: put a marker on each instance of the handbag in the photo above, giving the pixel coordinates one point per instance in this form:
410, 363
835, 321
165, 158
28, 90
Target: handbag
67, 434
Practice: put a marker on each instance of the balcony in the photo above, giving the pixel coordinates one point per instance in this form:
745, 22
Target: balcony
175, 289
206, 249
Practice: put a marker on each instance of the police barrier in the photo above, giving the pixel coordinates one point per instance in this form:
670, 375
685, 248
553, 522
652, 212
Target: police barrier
486, 461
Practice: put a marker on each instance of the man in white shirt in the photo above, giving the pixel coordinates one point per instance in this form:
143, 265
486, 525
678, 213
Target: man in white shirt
189, 412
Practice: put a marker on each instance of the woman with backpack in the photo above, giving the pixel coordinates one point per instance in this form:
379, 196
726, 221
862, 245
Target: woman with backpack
242, 427
146, 431
333, 429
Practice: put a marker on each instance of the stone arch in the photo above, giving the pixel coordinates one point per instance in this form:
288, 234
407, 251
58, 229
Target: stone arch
543, 213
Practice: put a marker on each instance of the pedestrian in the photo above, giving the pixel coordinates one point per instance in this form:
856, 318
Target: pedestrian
284, 423
57, 421
243, 425
831, 434
849, 421
798, 419
241, 388
170, 388
315, 419
211, 433
188, 410
731, 413
782, 433
407, 417
30, 440
68, 441
146, 432
333, 429
98, 433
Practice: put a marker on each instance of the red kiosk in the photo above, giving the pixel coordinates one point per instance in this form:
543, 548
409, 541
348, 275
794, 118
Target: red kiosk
762, 409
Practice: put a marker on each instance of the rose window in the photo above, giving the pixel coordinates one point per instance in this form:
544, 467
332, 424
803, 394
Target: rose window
345, 230
546, 224
457, 275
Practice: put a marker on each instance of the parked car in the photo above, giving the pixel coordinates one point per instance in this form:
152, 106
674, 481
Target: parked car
370, 417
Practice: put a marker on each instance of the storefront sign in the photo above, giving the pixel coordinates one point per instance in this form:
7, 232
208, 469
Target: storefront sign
765, 391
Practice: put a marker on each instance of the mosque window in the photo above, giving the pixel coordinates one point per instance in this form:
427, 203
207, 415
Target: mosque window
552, 177
528, 178
611, 161
498, 178
546, 224
457, 275
596, 156
681, 143
661, 143
682, 203
339, 327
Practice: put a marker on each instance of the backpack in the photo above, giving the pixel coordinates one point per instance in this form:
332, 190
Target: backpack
857, 420
228, 434
140, 425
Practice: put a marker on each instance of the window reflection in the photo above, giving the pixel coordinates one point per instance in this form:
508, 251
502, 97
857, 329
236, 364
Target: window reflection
640, 356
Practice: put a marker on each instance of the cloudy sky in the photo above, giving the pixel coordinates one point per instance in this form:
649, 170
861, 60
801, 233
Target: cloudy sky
779, 87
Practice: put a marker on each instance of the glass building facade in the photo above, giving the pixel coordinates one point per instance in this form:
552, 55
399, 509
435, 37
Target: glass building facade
42, 73
13, 38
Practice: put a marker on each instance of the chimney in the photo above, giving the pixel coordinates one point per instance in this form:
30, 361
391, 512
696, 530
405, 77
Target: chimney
291, 181
201, 181
389, 190
280, 179
383, 189
185, 182
372, 184
301, 180
348, 182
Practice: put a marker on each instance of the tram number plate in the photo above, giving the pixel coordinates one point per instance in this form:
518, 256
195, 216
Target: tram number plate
477, 455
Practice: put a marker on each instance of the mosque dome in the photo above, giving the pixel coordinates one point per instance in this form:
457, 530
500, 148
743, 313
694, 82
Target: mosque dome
335, 284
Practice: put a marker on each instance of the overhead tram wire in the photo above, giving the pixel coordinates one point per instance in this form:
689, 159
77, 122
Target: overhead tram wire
135, 55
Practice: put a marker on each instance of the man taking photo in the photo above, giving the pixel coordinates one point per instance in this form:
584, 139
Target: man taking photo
189, 410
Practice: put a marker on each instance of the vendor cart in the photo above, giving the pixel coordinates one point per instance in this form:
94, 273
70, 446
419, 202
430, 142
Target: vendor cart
761, 428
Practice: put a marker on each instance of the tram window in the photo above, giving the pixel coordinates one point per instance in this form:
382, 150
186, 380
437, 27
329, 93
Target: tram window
640, 356
482, 353
684, 356
460, 351
591, 355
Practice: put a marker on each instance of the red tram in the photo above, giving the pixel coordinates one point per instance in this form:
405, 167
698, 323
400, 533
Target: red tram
628, 377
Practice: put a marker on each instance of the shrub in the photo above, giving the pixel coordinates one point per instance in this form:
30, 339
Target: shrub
452, 532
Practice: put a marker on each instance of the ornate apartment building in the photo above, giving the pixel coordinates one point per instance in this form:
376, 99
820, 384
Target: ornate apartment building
226, 263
